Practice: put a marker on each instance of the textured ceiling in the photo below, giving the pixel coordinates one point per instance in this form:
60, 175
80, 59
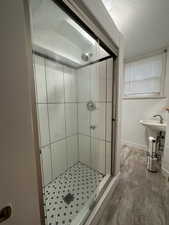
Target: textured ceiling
144, 24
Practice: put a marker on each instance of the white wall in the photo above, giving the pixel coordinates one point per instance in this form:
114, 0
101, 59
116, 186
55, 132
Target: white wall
165, 163
135, 110
18, 172
119, 102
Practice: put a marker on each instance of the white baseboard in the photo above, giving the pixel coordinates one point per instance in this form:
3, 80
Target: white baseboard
99, 208
165, 172
134, 145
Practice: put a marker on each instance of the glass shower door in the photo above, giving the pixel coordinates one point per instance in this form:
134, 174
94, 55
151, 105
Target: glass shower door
94, 125
101, 87
71, 80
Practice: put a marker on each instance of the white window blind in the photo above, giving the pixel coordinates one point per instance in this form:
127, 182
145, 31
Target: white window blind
143, 77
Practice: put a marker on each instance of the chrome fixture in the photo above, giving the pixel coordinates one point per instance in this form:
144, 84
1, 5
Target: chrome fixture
91, 106
161, 118
86, 56
92, 127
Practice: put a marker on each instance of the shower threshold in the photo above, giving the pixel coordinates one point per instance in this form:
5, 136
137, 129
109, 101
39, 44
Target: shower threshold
68, 194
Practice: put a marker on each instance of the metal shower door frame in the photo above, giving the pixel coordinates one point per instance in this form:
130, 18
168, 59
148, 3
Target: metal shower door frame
77, 10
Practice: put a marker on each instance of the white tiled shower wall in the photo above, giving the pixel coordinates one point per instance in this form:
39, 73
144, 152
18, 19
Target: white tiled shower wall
56, 98
95, 83
64, 121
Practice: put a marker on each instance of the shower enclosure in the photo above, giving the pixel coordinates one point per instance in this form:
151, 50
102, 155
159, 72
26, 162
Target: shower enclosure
73, 77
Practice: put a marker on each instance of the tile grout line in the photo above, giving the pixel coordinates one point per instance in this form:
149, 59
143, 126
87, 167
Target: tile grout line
90, 113
60, 139
77, 91
49, 128
55, 103
106, 118
65, 112
99, 139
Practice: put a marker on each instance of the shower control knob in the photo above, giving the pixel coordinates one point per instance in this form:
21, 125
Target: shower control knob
93, 127
91, 106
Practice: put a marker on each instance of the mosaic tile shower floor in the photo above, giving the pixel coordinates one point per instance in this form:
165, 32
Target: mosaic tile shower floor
66, 196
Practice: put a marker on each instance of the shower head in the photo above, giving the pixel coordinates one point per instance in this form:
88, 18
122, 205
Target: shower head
86, 56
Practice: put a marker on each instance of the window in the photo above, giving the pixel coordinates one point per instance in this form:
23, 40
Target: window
145, 77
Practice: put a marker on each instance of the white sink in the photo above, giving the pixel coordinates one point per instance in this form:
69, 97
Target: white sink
154, 125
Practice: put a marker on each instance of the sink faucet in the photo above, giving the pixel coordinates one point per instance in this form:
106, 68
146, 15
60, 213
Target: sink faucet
161, 118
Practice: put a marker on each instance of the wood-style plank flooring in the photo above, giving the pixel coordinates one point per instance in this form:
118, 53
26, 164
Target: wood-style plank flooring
141, 197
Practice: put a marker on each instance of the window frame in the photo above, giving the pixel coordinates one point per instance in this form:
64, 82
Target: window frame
162, 78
